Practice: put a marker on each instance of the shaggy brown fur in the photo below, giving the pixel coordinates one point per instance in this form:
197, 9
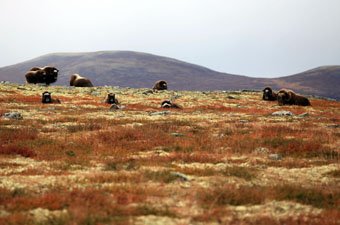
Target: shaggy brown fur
289, 97
34, 77
269, 94
111, 99
35, 69
160, 85
170, 104
47, 74
47, 98
79, 81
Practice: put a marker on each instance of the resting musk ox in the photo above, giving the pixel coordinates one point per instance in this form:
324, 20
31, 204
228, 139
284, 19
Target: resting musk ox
79, 81
160, 85
289, 97
111, 99
269, 94
170, 104
47, 74
46, 98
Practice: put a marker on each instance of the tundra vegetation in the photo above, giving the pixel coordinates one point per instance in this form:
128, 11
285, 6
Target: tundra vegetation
221, 159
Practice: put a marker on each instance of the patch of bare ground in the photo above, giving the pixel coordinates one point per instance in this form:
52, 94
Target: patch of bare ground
222, 159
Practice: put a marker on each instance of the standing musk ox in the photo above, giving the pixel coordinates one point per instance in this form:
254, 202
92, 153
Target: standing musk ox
79, 81
170, 104
46, 98
269, 94
289, 97
160, 85
111, 99
47, 74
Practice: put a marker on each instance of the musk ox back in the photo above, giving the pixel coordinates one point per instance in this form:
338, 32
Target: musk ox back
289, 97
35, 76
47, 75
35, 68
160, 85
79, 81
269, 94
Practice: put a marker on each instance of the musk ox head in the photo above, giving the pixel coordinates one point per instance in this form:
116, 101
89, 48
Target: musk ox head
46, 98
111, 99
269, 95
79, 81
51, 74
170, 104
289, 97
285, 97
160, 85
47, 74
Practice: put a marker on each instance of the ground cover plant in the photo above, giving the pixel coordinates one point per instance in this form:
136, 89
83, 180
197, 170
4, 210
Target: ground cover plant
222, 159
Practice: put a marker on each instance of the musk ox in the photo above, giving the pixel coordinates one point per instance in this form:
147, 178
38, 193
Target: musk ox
47, 74
46, 98
79, 81
111, 99
269, 94
170, 104
160, 85
289, 97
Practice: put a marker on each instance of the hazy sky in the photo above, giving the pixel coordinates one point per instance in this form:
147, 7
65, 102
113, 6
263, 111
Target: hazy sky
250, 37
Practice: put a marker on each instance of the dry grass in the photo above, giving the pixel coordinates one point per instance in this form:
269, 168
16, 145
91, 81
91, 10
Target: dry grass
85, 164
214, 200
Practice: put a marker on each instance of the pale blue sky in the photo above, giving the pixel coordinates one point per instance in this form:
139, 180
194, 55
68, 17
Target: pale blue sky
264, 38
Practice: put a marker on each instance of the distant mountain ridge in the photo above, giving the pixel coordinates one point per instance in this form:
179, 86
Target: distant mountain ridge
139, 70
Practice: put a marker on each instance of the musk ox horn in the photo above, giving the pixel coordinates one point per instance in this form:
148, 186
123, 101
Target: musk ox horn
79, 81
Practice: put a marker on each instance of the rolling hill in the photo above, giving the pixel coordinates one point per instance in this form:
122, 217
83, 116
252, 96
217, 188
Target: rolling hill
322, 81
135, 69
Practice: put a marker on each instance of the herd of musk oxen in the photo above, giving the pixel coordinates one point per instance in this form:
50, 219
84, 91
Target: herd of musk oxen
49, 74
285, 97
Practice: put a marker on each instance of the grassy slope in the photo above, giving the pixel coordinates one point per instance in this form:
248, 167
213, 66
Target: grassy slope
323, 81
128, 69
79, 163
135, 69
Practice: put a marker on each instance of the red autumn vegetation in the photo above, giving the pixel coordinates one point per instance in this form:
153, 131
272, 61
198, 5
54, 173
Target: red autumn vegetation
204, 163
